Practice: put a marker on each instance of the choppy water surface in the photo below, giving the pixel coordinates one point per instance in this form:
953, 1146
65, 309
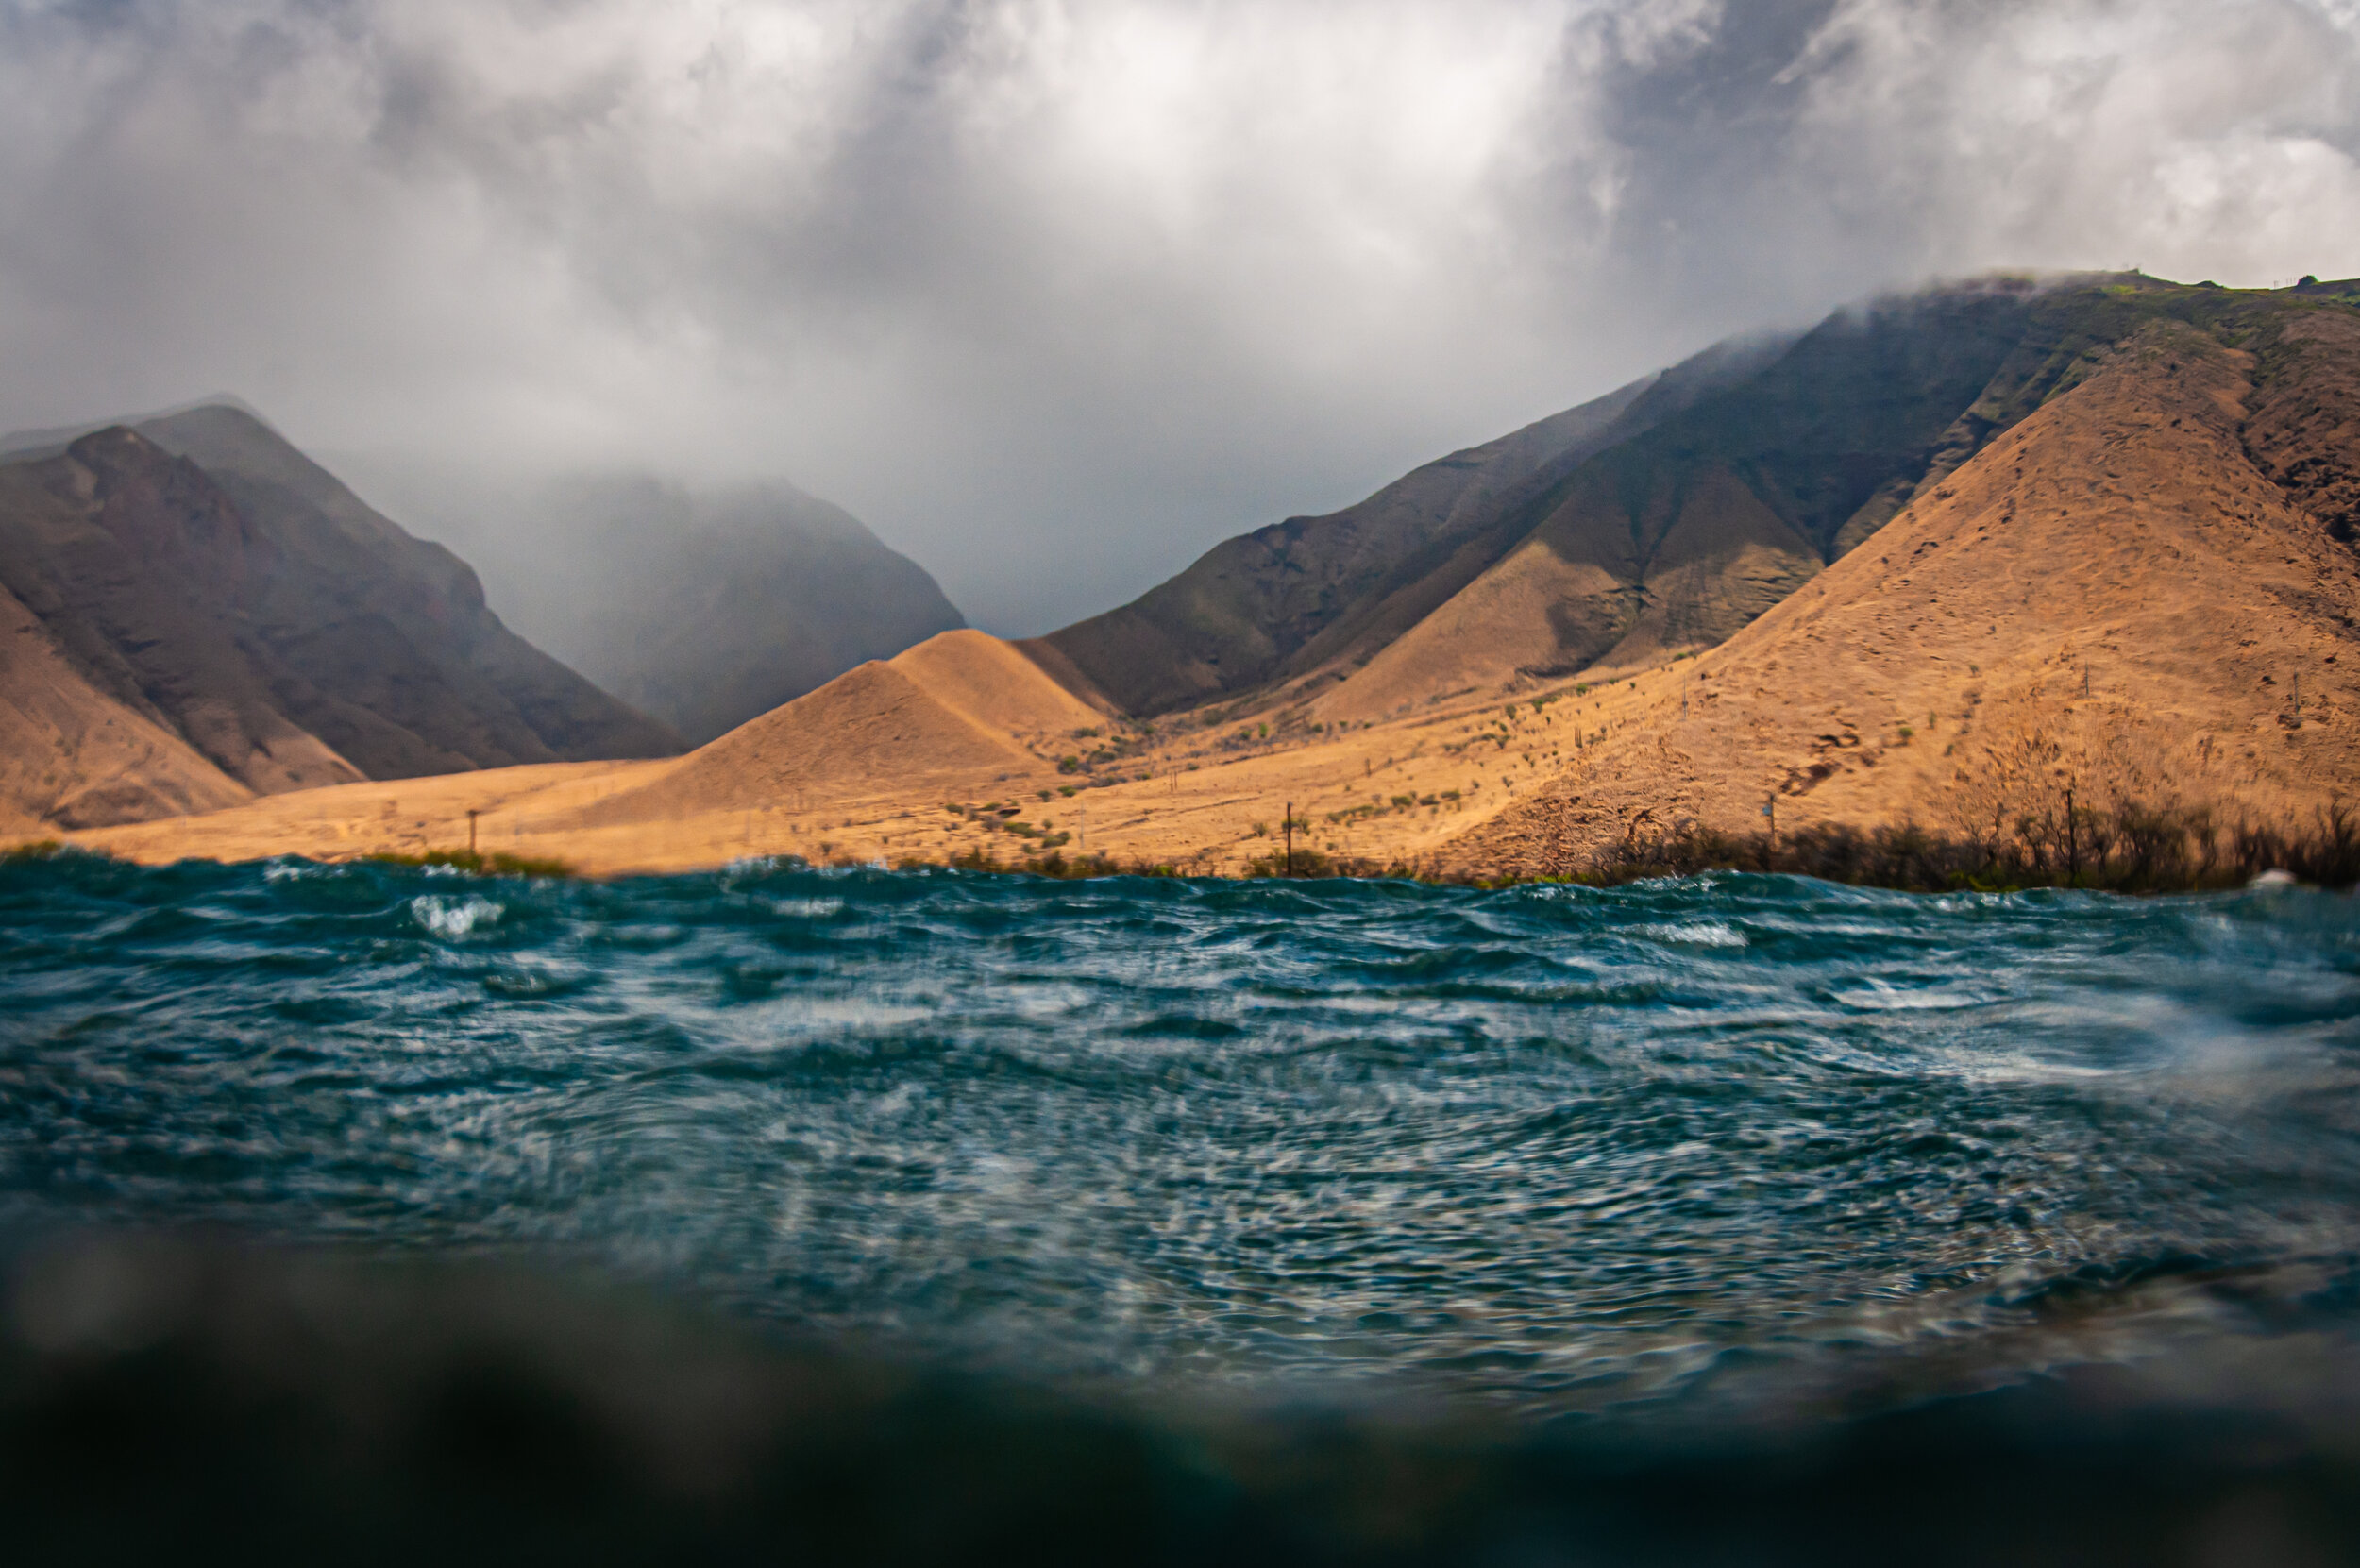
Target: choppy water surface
1547, 1148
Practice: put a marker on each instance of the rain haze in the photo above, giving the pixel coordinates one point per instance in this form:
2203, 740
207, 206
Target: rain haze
1055, 295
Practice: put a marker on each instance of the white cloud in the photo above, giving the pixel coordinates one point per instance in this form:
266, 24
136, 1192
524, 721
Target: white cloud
1057, 293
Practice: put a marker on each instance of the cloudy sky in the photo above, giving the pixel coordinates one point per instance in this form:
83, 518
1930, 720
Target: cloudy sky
1056, 293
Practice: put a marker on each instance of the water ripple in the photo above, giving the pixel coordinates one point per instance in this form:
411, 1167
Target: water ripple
1545, 1146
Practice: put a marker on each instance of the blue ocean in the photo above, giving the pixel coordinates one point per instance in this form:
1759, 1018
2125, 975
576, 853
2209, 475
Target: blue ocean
1551, 1160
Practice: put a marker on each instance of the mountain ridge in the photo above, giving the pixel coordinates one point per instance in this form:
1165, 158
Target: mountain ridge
213, 582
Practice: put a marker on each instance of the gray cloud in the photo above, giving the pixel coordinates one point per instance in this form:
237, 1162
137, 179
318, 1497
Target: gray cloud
1054, 295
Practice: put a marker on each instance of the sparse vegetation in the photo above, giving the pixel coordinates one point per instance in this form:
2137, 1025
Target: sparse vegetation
1302, 863
477, 865
2131, 848
39, 849
1056, 866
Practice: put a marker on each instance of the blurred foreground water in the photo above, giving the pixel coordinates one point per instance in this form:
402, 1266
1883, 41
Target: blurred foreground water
914, 1216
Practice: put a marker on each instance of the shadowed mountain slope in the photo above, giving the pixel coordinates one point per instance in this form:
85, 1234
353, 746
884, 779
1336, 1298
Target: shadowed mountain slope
702, 607
396, 626
1675, 540
1658, 521
1309, 591
72, 756
214, 584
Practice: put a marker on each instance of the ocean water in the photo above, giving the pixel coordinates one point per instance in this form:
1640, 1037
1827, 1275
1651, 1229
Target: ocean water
1543, 1153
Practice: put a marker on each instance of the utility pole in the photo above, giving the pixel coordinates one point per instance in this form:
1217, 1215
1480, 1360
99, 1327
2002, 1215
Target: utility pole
1291, 837
2073, 843
471, 832
1770, 809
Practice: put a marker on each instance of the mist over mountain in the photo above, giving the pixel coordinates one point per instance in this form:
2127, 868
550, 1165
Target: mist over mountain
196, 580
703, 606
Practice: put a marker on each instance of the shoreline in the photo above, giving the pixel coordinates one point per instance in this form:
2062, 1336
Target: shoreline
1904, 858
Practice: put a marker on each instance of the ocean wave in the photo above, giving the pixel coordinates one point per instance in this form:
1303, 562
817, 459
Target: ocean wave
453, 918
1515, 1148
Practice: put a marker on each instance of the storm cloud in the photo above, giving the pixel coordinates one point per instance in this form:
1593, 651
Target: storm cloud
1056, 293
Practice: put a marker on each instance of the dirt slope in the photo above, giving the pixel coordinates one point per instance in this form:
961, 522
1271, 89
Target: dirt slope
995, 684
961, 710
132, 560
72, 756
2112, 597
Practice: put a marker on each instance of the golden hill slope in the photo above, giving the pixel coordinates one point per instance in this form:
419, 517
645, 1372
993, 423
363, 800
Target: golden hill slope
2111, 598
73, 757
960, 709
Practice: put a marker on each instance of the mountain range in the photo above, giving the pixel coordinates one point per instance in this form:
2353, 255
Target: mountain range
1775, 572
193, 592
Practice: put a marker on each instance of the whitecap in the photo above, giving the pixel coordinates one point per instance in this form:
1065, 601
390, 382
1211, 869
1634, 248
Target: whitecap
453, 916
1880, 996
809, 909
1703, 933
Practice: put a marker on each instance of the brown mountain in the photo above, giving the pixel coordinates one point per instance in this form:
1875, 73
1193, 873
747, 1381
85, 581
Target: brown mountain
2144, 591
1655, 521
209, 580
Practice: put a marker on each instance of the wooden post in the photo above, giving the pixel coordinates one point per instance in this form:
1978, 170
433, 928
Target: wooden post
1291, 837
1770, 809
471, 832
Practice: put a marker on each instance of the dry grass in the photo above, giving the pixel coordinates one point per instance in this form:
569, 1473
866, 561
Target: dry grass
2129, 848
